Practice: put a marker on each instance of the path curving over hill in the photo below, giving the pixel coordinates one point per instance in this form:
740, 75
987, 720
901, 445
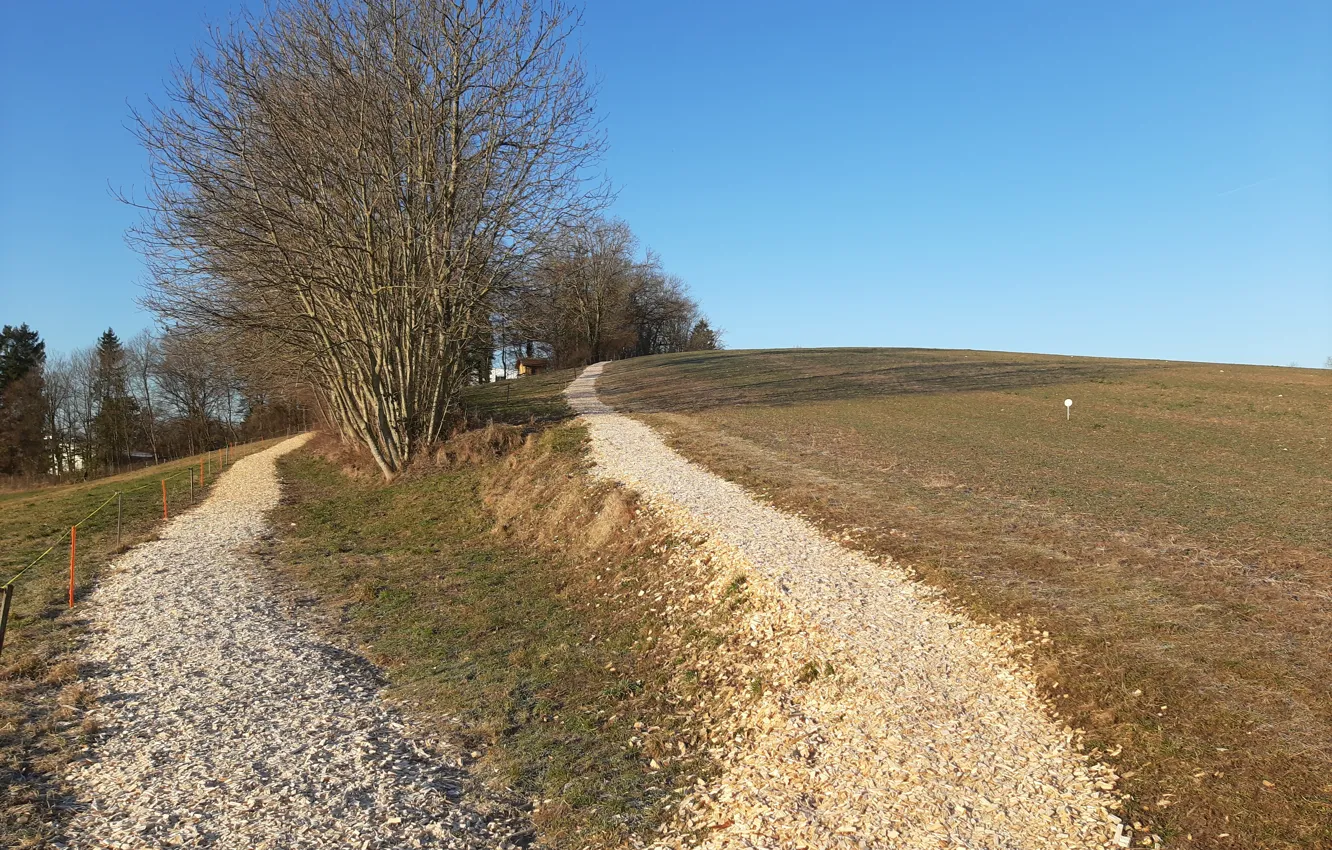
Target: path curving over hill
932, 737
232, 725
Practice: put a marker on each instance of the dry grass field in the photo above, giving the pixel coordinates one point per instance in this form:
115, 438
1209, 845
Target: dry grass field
1174, 539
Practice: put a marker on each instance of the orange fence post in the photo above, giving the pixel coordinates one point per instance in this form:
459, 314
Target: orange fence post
73, 536
164, 503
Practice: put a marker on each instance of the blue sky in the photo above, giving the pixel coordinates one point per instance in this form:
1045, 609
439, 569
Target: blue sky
1127, 179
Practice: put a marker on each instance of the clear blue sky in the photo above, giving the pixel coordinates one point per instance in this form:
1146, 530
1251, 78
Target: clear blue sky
1121, 179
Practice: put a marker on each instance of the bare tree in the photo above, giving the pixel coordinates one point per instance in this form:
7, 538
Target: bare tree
591, 299
580, 293
61, 412
83, 370
660, 310
192, 388
352, 183
143, 355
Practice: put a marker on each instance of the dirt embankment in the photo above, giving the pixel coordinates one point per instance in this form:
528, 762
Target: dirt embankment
724, 657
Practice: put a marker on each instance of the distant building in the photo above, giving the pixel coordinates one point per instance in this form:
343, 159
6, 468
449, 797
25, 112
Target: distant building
67, 457
508, 358
532, 365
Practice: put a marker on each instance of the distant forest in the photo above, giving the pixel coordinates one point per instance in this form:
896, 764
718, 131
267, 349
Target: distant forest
118, 404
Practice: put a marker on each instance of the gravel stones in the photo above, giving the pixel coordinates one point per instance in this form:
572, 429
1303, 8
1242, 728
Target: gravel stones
229, 724
929, 735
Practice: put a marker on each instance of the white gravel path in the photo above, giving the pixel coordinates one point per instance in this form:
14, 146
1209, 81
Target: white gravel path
946, 744
231, 725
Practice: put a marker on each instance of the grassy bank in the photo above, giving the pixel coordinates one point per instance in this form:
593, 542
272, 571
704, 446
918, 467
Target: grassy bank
1174, 539
509, 603
41, 698
518, 401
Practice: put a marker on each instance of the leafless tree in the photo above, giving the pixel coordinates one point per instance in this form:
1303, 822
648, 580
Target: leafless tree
83, 369
579, 293
193, 387
144, 355
62, 412
660, 310
592, 299
350, 185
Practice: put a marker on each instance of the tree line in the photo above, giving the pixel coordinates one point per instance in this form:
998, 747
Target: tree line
117, 404
590, 298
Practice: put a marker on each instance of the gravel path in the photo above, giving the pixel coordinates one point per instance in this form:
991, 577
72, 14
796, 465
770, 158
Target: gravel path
228, 723
940, 738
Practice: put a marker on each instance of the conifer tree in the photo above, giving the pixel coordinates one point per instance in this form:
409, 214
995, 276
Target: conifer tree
116, 408
22, 402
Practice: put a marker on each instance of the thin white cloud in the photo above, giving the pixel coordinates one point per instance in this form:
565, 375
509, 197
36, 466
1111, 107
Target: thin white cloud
1246, 186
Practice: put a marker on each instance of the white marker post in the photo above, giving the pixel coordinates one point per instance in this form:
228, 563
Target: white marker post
1068, 409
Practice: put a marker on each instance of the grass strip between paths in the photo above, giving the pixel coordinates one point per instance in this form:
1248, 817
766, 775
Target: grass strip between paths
503, 626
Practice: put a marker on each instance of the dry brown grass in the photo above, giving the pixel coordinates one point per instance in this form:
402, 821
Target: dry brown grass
466, 447
479, 446
1174, 539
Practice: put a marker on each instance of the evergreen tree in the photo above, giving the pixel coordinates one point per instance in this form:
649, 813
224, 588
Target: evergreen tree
22, 401
116, 409
21, 350
703, 337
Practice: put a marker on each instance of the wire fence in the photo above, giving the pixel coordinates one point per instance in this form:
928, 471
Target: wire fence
171, 490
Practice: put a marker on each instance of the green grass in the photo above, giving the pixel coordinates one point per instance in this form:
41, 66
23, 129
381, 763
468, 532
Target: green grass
1174, 537
517, 401
40, 697
536, 662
